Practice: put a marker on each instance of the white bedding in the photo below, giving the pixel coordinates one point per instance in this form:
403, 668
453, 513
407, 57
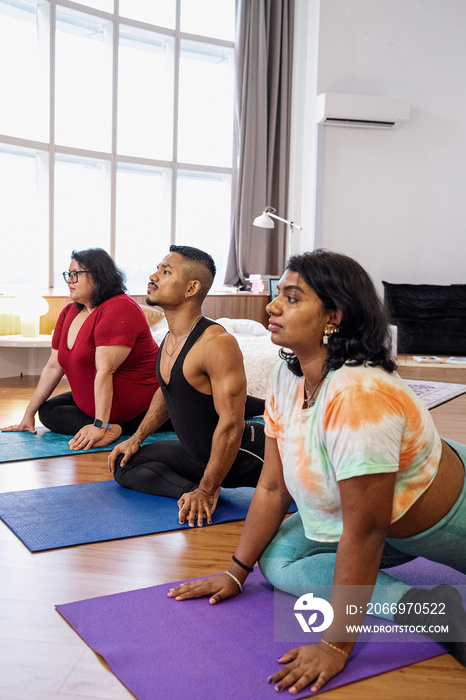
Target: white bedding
259, 353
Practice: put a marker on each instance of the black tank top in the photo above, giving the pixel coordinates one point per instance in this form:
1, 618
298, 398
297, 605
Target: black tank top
192, 413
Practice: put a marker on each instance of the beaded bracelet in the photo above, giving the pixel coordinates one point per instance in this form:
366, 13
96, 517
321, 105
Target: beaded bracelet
342, 651
139, 439
249, 569
235, 580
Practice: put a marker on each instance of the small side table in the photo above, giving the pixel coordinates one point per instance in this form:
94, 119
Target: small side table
20, 355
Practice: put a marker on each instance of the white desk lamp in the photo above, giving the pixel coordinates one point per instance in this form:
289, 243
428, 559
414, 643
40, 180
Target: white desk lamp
265, 220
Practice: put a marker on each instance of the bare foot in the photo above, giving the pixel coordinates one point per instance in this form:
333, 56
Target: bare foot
110, 435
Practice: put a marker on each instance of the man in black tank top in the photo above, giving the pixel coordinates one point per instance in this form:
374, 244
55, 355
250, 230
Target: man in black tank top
203, 392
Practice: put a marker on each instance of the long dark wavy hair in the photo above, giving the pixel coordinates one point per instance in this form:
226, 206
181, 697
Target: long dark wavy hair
108, 279
341, 284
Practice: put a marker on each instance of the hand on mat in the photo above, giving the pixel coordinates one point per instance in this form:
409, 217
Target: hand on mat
194, 506
305, 664
90, 436
27, 423
218, 587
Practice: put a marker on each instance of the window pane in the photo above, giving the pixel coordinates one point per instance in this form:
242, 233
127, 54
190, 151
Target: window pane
104, 5
206, 105
203, 216
159, 12
82, 205
215, 18
24, 258
83, 83
145, 97
24, 97
143, 229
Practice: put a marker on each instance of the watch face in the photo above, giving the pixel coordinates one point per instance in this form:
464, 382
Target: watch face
100, 424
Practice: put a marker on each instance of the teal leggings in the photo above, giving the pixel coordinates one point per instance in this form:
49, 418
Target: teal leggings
293, 562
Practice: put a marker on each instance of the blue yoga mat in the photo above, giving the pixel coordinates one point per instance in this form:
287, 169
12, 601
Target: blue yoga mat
15, 447
62, 516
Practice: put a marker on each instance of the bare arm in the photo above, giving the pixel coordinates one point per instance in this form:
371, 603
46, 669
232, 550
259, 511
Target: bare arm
49, 378
366, 507
107, 360
228, 380
156, 415
223, 364
268, 507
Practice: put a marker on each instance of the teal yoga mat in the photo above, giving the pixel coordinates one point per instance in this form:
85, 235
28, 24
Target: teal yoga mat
15, 447
63, 516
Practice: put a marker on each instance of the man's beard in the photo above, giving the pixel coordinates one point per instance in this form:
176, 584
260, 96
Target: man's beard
149, 302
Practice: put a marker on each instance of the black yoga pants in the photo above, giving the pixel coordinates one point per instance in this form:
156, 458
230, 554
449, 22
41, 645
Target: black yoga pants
165, 469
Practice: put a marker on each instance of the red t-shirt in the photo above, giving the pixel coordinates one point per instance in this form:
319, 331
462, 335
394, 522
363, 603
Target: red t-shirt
117, 321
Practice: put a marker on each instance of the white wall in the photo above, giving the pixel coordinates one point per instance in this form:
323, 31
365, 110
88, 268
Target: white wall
303, 147
394, 200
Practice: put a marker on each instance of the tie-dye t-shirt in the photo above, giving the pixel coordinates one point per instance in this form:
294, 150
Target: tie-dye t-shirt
365, 421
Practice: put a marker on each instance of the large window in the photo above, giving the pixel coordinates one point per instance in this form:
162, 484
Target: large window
116, 130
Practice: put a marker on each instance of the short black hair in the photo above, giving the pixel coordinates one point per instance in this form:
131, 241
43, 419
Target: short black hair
108, 279
196, 255
205, 273
341, 284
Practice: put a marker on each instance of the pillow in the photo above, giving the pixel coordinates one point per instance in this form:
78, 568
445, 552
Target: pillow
242, 326
153, 314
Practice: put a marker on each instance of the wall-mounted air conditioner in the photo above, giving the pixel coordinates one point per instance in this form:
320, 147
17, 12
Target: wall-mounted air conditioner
366, 111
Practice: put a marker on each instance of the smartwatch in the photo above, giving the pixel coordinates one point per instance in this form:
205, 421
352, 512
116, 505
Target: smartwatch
100, 424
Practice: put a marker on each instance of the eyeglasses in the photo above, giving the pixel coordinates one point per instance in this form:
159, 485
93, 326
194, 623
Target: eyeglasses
72, 276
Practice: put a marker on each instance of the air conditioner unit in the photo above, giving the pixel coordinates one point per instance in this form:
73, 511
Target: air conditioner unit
363, 111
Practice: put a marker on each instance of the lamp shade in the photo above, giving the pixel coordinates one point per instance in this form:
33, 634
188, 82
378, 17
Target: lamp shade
264, 221
29, 306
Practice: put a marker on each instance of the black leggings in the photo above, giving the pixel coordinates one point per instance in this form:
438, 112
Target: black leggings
165, 469
61, 415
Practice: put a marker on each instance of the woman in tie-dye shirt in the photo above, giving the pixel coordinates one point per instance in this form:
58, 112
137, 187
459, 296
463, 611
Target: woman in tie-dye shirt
364, 421
358, 451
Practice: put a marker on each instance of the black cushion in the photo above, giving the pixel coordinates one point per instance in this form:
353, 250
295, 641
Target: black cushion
431, 319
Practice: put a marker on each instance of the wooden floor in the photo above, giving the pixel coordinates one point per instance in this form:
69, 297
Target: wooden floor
42, 658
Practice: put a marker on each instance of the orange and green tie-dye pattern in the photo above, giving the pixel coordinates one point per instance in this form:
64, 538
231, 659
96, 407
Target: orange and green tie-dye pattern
365, 421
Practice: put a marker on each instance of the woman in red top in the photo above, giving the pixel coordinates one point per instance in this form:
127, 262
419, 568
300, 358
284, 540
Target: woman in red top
103, 343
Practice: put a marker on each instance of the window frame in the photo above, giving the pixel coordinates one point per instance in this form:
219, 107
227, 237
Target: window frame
47, 12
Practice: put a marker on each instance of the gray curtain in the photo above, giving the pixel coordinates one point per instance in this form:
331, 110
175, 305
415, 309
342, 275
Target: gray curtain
264, 49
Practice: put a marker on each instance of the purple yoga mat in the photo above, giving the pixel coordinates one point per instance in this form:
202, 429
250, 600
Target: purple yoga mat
162, 648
